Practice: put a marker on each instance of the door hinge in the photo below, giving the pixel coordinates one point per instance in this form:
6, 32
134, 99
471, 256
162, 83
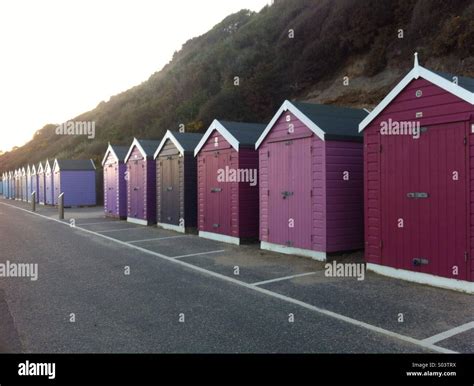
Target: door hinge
465, 256
381, 243
465, 140
268, 192
380, 148
268, 153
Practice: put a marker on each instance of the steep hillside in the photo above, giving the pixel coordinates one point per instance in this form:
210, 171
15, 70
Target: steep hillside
332, 39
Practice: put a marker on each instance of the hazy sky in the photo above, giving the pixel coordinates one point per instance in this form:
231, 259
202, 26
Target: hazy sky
59, 58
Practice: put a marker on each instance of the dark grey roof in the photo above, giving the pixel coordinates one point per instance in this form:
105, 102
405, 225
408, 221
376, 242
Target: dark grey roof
463, 81
149, 146
75, 164
336, 122
188, 141
245, 133
120, 151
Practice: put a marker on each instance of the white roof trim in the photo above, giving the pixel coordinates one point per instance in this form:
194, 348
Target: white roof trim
417, 72
169, 135
137, 144
288, 106
216, 125
47, 165
109, 150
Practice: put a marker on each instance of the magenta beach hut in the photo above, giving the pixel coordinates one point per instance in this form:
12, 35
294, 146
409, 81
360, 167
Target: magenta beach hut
115, 184
419, 201
141, 183
311, 179
228, 181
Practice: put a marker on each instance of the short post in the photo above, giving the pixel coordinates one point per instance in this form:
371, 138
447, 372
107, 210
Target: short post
33, 201
61, 206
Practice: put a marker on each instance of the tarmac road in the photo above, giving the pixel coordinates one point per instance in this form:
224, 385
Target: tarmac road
84, 274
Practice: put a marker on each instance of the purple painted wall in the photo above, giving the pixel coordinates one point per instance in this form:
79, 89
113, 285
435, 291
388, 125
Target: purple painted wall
326, 211
141, 187
439, 228
78, 187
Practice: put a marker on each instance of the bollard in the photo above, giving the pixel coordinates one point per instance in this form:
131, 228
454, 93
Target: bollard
33, 201
61, 206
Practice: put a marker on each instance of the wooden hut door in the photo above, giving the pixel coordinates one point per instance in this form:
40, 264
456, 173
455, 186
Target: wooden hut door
424, 201
135, 166
290, 208
211, 200
111, 175
278, 202
218, 214
170, 194
300, 182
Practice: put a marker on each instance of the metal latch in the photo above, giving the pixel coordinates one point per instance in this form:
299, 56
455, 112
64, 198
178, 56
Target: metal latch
417, 261
215, 225
286, 194
215, 190
169, 188
417, 195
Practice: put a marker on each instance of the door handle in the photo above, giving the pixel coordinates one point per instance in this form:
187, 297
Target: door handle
216, 190
169, 188
417, 195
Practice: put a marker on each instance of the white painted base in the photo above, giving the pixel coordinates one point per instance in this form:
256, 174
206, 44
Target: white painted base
423, 278
138, 221
315, 255
171, 227
219, 237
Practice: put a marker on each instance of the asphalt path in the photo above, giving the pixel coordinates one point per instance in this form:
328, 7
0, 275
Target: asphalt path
84, 301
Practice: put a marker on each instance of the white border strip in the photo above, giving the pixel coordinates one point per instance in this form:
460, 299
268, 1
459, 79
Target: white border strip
138, 221
315, 255
219, 237
261, 290
423, 278
171, 227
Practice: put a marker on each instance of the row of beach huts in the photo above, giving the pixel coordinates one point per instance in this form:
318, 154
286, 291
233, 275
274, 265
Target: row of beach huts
316, 180
74, 178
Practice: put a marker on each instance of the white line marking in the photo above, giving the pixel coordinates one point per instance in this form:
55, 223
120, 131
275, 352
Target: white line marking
276, 295
196, 254
448, 334
103, 222
283, 278
115, 230
156, 238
